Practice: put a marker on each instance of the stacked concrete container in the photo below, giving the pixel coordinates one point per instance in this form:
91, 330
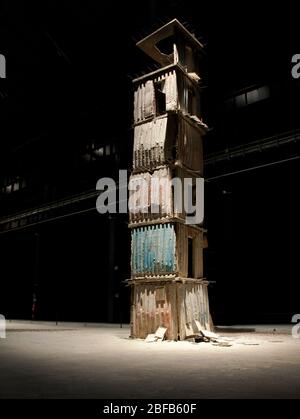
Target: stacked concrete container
168, 288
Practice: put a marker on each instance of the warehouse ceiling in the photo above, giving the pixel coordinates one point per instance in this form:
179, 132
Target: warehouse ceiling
69, 63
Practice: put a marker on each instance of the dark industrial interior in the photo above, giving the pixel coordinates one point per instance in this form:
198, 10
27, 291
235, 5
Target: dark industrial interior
66, 121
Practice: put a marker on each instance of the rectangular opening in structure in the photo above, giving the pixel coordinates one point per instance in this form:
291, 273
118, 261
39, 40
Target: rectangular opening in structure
191, 102
160, 98
189, 59
190, 258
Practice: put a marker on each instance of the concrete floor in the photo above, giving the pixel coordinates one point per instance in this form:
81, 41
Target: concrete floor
100, 362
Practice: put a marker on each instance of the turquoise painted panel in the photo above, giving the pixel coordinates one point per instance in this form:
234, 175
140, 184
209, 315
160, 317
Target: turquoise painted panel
154, 250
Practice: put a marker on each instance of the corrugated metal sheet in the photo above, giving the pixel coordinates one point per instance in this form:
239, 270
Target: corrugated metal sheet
144, 96
154, 142
144, 101
153, 251
149, 100
158, 189
190, 148
150, 311
183, 87
176, 88
150, 144
157, 192
163, 249
186, 302
139, 197
193, 305
171, 91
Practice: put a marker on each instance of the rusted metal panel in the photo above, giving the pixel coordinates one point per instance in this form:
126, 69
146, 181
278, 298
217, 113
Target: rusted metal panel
170, 305
154, 307
153, 251
193, 305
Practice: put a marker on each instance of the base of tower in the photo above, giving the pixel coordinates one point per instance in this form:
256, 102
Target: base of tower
174, 305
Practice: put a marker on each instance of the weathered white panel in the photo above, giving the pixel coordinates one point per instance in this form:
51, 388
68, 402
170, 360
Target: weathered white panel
149, 144
157, 192
171, 92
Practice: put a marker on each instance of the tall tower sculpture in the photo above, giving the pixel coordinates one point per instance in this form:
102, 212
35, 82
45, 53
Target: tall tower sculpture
168, 288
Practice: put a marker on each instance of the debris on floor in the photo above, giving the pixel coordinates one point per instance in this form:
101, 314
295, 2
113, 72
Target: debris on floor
223, 344
209, 335
196, 333
216, 340
200, 339
161, 333
159, 336
151, 339
247, 343
189, 332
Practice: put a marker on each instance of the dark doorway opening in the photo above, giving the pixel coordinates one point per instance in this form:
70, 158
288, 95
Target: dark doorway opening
160, 97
